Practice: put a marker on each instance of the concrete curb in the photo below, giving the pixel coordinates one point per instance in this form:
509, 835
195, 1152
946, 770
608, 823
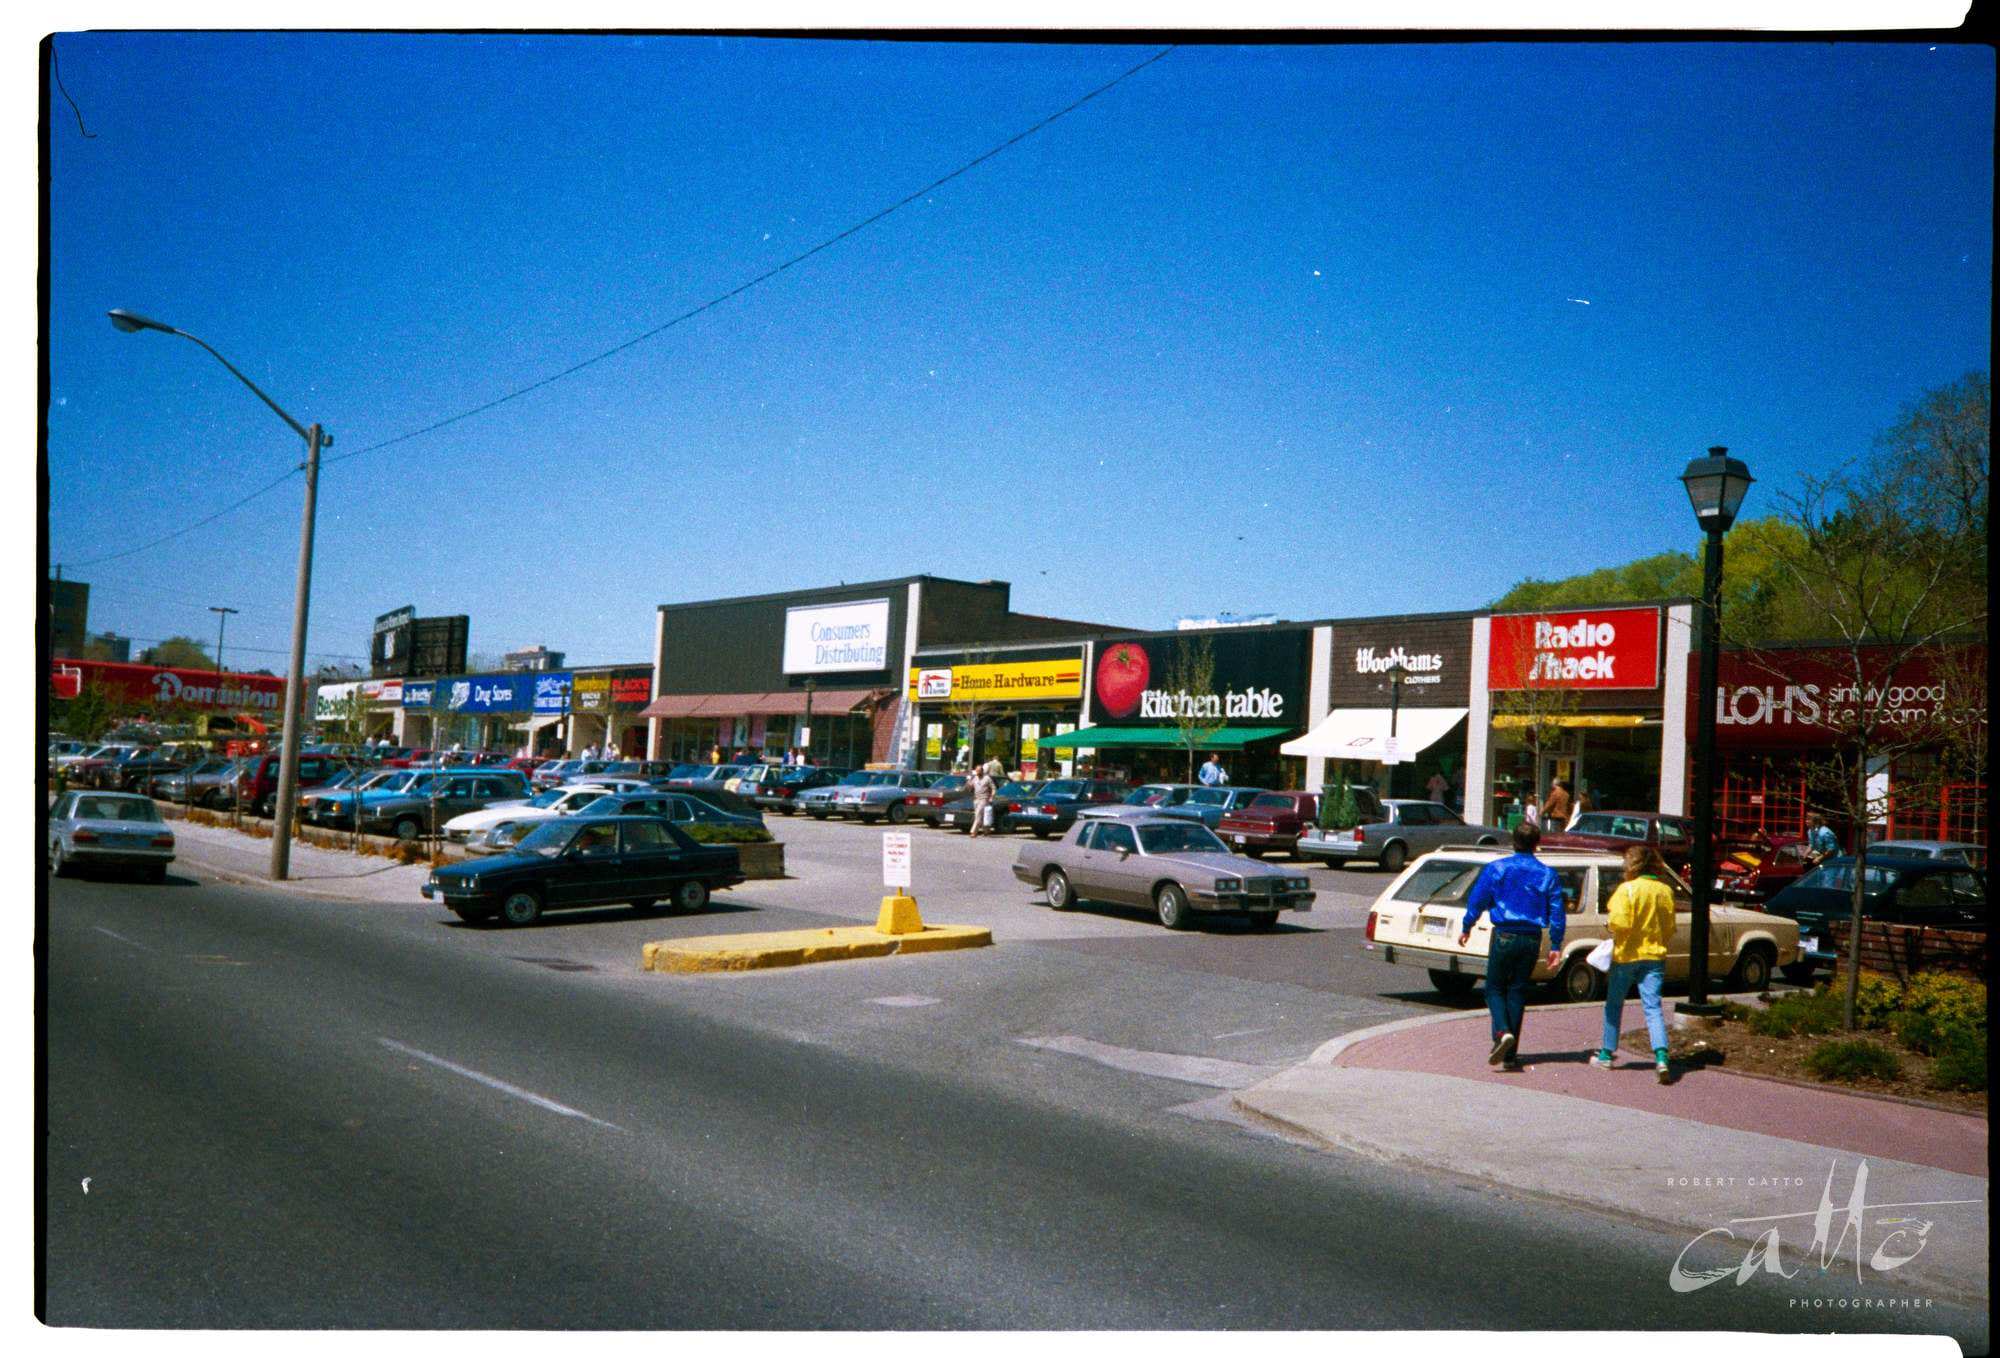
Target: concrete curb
1328, 1053
801, 947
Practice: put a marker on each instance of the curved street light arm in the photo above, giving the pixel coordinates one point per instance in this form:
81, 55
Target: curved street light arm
297, 428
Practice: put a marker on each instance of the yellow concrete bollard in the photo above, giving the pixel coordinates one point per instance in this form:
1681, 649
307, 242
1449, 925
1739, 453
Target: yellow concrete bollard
899, 916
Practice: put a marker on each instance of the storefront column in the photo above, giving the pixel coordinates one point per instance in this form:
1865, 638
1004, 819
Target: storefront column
1319, 690
1674, 710
1479, 729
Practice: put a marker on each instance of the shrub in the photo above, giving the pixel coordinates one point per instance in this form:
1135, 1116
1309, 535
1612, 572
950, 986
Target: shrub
1947, 998
1876, 999
1802, 1014
1853, 1058
1961, 1060
729, 834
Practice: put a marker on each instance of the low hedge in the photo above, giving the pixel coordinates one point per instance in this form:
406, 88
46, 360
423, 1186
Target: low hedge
1854, 1058
730, 834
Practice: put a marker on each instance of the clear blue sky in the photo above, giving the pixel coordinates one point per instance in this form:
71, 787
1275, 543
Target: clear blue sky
1284, 329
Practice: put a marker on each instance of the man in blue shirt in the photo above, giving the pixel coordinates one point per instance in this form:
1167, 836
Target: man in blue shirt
1821, 840
1212, 774
1525, 897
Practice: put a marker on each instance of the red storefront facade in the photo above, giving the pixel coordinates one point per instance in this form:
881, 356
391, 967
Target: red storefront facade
207, 692
1780, 710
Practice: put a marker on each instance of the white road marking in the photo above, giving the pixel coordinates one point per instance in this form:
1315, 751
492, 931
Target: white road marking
86, 1187
1194, 1070
905, 1001
515, 1090
1240, 1032
114, 933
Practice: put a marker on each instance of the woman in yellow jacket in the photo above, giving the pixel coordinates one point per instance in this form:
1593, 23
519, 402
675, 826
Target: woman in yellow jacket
1642, 924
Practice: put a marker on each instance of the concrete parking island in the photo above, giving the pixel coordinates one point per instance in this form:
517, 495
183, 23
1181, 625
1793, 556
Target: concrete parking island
898, 930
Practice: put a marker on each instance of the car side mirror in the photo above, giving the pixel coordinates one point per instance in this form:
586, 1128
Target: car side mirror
1123, 853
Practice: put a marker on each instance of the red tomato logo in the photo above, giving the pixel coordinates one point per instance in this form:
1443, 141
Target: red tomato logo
1122, 673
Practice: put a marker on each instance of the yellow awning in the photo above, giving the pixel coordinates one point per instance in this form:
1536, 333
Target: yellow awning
1508, 721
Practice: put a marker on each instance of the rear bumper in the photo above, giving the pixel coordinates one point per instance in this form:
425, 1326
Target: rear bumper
1430, 959
1339, 850
120, 857
1257, 839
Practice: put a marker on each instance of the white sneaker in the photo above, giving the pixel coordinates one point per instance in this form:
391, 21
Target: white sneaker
1503, 1047
1601, 1061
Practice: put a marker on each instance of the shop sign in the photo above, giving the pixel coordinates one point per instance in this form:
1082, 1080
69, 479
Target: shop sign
419, 695
169, 687
552, 694
484, 693
1435, 656
1804, 698
1005, 682
831, 638
1599, 648
1258, 676
329, 701
590, 692
632, 690
389, 691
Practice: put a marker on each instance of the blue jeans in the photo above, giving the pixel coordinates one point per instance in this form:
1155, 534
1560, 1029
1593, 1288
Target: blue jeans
1510, 960
1648, 976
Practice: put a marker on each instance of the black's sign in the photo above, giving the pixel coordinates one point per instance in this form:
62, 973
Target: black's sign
1259, 678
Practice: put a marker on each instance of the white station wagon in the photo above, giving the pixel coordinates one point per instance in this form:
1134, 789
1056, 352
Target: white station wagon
1416, 919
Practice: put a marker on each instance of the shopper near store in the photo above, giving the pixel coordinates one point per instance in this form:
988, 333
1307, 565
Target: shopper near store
1642, 923
995, 770
982, 786
1525, 898
1555, 810
1821, 840
1438, 786
1212, 773
1531, 809
1576, 812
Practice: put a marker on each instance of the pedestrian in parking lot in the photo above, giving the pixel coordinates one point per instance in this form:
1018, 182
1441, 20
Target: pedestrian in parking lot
1212, 773
1525, 898
1642, 924
1821, 840
1555, 810
1576, 812
1531, 809
982, 786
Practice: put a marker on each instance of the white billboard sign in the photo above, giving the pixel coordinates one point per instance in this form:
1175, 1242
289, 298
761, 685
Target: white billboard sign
830, 638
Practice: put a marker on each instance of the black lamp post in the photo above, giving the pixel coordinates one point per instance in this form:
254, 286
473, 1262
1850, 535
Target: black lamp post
1716, 485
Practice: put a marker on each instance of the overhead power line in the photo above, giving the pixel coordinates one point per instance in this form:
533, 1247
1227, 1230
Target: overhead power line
665, 326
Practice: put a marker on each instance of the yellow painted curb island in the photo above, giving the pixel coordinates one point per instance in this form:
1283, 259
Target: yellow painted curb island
797, 947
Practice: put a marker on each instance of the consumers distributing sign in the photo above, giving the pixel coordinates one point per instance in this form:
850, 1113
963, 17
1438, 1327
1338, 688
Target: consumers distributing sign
831, 638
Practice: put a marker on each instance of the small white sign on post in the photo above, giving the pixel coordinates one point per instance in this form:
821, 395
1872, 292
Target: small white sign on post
805, 737
896, 858
1392, 749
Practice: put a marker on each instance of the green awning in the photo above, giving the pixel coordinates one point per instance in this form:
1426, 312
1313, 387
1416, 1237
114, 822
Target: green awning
1160, 737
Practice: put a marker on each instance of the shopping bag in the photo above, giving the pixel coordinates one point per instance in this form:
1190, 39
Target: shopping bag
986, 816
1600, 956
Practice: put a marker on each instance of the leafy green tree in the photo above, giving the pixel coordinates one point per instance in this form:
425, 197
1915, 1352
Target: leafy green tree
178, 653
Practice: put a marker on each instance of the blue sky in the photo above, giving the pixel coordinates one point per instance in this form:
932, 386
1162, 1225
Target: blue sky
1288, 329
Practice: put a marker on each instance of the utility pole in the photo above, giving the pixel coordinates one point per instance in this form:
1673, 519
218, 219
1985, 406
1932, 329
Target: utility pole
295, 678
221, 625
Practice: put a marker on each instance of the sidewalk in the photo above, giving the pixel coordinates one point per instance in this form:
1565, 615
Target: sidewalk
1711, 1150
332, 874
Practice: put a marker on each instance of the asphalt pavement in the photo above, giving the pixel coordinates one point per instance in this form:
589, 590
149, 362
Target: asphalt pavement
296, 1111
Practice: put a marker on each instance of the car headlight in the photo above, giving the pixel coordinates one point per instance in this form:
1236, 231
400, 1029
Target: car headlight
1298, 883
1223, 884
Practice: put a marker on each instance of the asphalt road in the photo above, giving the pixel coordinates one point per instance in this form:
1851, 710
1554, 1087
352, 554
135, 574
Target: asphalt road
265, 1110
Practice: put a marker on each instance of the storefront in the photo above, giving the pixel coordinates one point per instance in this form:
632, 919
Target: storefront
995, 702
1398, 692
214, 703
1579, 696
1783, 715
481, 711
414, 726
1158, 704
604, 710
823, 671
358, 710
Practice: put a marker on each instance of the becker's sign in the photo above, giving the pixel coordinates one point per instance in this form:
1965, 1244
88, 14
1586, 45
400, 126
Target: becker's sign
830, 638
1598, 648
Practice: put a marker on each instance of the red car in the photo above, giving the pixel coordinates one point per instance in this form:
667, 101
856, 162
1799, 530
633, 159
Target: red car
257, 780
1758, 868
1617, 831
1271, 823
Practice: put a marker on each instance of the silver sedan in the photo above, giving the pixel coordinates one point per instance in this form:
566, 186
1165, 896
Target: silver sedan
113, 829
1174, 868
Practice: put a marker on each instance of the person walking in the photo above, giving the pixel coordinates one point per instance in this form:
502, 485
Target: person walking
1821, 840
1531, 809
995, 770
1642, 924
1576, 812
1439, 787
1212, 773
1555, 810
1525, 898
981, 785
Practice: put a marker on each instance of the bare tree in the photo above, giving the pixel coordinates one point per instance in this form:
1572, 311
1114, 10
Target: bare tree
1539, 708
1890, 550
971, 705
1190, 684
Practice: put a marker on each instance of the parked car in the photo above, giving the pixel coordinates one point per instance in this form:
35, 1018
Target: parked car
1052, 810
682, 808
176, 786
610, 782
780, 794
584, 861
552, 773
67, 763
1758, 868
99, 768
1398, 830
1210, 804
711, 778
887, 795
1176, 868
925, 801
1935, 892
1271, 823
955, 811
257, 779
334, 806
436, 797
108, 829
1617, 831
818, 802
545, 805
1416, 919
1948, 850
60, 751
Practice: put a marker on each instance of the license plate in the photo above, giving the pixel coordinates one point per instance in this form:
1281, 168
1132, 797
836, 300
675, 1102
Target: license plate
1436, 926
1240, 839
1809, 945
949, 818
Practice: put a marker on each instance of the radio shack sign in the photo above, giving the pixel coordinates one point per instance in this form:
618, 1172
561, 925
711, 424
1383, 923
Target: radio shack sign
834, 638
1599, 648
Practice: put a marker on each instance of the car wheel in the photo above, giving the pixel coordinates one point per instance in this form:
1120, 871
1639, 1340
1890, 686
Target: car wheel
156, 874
1394, 856
1579, 981
1251, 851
1799, 973
1172, 905
690, 897
644, 907
1061, 894
1753, 969
58, 860
784, 810
407, 828
1488, 842
1452, 982
1263, 919
521, 907
898, 814
866, 820
1041, 832
817, 815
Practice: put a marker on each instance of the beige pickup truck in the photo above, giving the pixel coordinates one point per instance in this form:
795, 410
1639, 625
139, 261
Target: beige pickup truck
1416, 920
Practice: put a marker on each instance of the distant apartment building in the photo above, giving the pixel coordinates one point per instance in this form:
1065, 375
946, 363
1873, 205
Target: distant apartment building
69, 616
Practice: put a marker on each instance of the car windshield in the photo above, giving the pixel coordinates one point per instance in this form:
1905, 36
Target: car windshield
578, 800
1438, 881
1840, 877
1611, 826
1188, 838
796, 774
114, 808
1146, 796
549, 798
1272, 800
684, 771
547, 839
1018, 789
1063, 787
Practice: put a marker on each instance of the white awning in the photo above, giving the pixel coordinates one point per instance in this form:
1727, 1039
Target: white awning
1359, 732
534, 724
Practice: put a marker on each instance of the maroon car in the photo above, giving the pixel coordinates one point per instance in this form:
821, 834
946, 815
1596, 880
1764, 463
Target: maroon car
1271, 823
1617, 831
257, 779
1758, 868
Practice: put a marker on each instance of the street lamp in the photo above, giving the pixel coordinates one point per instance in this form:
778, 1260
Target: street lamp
806, 732
315, 439
221, 623
1715, 485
